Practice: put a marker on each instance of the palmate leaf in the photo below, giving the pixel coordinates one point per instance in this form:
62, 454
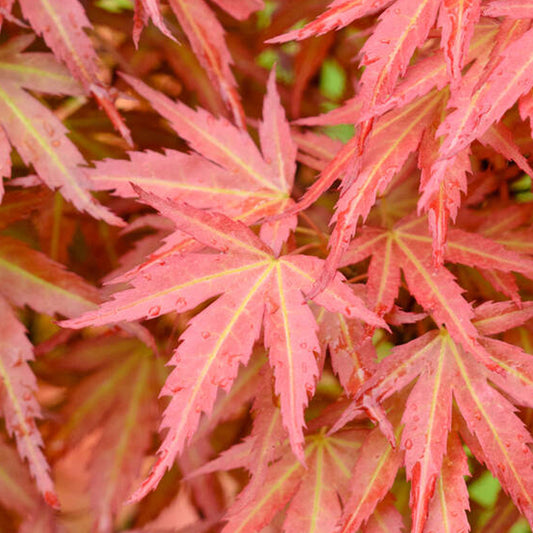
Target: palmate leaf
312, 494
36, 133
512, 9
372, 478
206, 37
433, 287
484, 105
145, 10
377, 169
444, 173
339, 14
62, 26
113, 400
255, 287
228, 173
403, 26
443, 367
17, 399
29, 278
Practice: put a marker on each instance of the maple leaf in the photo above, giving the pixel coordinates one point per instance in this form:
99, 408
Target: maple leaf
29, 277
443, 369
481, 106
228, 173
206, 36
312, 494
145, 10
36, 133
512, 9
225, 332
433, 286
17, 491
340, 13
117, 394
62, 28
18, 402
377, 169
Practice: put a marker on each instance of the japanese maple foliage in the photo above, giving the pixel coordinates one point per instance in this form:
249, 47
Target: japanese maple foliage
216, 319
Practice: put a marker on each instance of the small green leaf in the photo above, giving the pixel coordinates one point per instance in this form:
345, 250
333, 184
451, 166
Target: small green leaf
115, 6
484, 490
332, 80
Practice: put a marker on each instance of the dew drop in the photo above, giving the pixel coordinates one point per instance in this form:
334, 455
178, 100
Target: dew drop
303, 345
408, 444
205, 334
56, 143
154, 311
51, 499
48, 129
181, 302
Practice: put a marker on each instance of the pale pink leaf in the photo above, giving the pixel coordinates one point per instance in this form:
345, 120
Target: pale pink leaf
514, 9
278, 147
386, 54
28, 277
458, 19
339, 14
40, 139
214, 138
144, 10
509, 79
450, 499
242, 9
206, 35
372, 478
18, 402
63, 29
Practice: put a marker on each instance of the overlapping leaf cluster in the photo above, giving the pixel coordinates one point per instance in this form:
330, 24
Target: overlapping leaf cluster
351, 358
